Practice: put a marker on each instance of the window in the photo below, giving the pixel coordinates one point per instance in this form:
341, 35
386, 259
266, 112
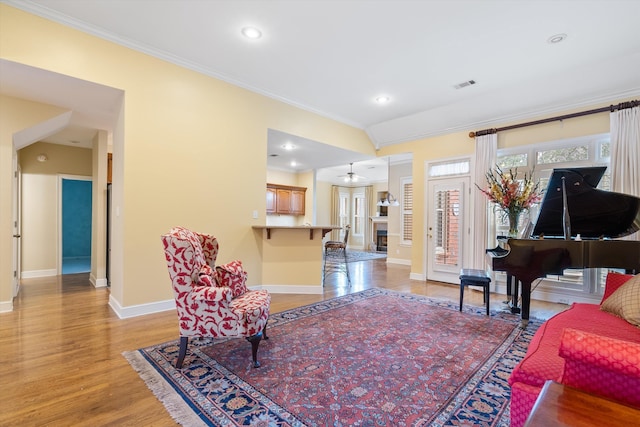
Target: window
407, 211
572, 154
358, 223
449, 168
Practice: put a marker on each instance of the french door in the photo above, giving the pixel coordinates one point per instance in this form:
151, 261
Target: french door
446, 224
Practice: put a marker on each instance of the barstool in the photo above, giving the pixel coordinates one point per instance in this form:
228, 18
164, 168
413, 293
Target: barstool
470, 277
335, 256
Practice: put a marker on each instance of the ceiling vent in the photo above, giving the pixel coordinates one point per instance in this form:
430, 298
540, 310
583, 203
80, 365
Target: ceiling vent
465, 84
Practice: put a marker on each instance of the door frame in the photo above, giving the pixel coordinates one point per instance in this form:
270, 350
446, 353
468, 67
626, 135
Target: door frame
61, 177
465, 215
17, 223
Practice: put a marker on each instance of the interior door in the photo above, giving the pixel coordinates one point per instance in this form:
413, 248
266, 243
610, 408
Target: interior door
445, 228
17, 229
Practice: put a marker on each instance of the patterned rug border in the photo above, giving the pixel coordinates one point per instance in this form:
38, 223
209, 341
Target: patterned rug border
177, 402
356, 256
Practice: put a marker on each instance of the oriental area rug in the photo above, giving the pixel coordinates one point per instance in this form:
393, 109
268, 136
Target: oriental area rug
371, 358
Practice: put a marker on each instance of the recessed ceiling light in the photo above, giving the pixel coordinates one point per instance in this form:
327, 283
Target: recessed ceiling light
288, 146
293, 163
556, 38
251, 33
382, 99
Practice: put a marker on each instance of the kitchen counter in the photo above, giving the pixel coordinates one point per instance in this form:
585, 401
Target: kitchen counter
292, 257
312, 228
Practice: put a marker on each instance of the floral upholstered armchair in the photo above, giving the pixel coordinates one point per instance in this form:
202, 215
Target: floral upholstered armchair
212, 301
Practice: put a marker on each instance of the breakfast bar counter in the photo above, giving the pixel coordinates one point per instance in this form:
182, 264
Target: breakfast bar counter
292, 257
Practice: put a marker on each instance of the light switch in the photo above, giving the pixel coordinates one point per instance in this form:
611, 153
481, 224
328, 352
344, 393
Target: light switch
255, 214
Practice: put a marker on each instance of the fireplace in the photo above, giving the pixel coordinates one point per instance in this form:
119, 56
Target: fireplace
381, 240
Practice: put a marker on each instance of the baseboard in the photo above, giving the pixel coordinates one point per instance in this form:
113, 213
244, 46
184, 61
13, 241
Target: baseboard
400, 261
6, 306
141, 309
38, 273
97, 283
293, 289
417, 276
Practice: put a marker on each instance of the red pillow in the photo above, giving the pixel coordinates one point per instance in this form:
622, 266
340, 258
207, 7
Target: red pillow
613, 282
232, 275
205, 276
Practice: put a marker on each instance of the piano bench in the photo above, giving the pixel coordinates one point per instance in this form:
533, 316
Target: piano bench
470, 277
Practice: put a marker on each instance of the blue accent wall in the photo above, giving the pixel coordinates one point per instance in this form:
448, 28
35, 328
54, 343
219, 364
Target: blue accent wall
76, 218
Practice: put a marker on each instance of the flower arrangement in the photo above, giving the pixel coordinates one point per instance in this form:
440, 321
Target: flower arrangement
511, 195
508, 193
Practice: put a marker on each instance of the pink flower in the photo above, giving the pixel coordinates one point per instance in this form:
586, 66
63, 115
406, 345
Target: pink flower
508, 192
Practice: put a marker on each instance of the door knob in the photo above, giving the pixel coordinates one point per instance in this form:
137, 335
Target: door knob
16, 235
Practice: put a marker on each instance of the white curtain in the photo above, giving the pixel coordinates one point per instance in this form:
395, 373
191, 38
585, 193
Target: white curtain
369, 207
486, 149
625, 153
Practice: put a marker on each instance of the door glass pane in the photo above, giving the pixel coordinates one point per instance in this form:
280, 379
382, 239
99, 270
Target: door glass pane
447, 227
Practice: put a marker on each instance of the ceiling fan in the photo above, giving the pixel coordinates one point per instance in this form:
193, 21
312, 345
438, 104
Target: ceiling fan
351, 176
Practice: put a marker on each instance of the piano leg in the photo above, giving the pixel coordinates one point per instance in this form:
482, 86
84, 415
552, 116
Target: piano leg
526, 302
512, 291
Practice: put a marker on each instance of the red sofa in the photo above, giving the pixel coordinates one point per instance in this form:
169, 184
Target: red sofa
583, 347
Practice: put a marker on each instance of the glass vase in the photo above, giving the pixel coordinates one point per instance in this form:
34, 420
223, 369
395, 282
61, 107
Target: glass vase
513, 216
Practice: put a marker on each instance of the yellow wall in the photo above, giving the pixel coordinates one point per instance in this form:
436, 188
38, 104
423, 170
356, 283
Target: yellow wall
192, 150
323, 202
98, 275
291, 258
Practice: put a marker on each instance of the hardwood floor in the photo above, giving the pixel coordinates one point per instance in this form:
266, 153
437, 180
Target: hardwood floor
61, 347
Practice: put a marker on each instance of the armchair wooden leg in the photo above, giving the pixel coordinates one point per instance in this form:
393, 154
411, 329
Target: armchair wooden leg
255, 342
264, 331
183, 351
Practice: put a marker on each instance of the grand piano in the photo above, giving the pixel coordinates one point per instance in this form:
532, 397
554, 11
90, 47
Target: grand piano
575, 229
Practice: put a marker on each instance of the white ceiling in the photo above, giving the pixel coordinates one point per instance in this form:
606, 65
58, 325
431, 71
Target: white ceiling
336, 57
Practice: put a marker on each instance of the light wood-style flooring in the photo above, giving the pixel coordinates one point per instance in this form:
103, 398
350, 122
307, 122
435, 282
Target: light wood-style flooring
61, 348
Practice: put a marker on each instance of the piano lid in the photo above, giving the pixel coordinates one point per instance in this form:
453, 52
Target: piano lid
594, 213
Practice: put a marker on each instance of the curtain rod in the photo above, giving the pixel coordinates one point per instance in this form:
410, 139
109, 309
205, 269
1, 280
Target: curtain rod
611, 108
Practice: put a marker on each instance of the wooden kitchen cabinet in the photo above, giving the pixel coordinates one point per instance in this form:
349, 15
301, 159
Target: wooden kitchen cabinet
297, 202
271, 200
285, 199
